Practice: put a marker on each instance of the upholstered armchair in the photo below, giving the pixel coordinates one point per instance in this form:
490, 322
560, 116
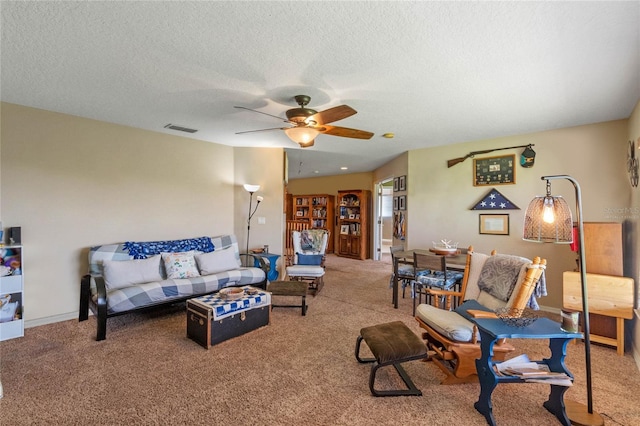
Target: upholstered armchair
307, 261
490, 282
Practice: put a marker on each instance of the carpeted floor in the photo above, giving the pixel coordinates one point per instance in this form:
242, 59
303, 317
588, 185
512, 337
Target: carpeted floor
297, 370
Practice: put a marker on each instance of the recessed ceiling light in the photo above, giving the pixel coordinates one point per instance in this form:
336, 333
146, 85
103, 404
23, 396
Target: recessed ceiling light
316, 171
344, 168
388, 135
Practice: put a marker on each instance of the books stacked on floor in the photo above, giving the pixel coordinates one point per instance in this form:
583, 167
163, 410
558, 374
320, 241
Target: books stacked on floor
533, 372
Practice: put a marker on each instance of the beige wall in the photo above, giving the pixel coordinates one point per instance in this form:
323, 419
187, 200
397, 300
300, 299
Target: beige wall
632, 240
71, 183
330, 184
265, 168
442, 197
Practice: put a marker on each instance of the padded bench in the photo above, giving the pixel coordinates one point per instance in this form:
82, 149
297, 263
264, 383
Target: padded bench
391, 344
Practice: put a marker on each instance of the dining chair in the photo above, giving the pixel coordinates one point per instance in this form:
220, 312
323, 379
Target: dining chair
405, 272
432, 274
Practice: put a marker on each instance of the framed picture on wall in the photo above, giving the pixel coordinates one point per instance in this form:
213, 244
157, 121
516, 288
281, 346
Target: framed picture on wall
402, 183
395, 184
494, 170
402, 202
395, 203
494, 224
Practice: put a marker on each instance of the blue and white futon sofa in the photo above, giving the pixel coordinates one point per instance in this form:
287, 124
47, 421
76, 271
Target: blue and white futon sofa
133, 276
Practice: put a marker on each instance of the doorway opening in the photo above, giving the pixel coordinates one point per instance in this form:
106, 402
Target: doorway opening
383, 229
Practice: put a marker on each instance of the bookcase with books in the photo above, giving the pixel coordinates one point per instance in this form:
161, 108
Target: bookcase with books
354, 210
317, 209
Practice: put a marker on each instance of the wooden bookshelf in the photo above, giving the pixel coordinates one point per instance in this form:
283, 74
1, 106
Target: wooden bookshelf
354, 217
318, 210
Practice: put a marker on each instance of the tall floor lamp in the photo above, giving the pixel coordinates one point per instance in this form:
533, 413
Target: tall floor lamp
251, 189
548, 220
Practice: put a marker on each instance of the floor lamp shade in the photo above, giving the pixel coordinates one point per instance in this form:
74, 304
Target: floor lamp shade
548, 220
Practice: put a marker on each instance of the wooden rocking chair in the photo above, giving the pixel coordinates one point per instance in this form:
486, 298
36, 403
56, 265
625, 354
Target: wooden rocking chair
452, 337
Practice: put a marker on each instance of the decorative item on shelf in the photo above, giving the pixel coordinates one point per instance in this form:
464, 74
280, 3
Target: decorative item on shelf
251, 189
494, 200
548, 219
257, 250
514, 317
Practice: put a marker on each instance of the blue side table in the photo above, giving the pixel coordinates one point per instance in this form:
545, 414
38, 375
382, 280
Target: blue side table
271, 259
543, 328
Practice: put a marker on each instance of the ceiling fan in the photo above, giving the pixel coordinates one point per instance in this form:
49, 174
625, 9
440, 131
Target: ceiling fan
308, 123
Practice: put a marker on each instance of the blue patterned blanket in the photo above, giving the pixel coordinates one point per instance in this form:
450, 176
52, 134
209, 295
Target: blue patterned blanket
141, 250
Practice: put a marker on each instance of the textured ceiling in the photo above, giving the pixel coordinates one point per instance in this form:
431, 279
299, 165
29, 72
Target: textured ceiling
433, 73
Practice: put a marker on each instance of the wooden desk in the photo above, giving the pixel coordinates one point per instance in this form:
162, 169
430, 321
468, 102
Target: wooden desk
455, 262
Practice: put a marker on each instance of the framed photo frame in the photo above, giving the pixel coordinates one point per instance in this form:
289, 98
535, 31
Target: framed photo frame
402, 183
344, 229
494, 170
395, 184
395, 203
352, 216
402, 202
494, 224
299, 213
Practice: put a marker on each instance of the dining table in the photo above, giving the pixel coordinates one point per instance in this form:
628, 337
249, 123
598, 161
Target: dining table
456, 261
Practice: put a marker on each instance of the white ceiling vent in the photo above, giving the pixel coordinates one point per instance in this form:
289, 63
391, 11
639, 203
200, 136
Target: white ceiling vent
179, 128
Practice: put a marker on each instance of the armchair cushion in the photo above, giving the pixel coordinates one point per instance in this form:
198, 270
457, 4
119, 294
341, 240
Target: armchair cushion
436, 278
309, 259
305, 271
448, 323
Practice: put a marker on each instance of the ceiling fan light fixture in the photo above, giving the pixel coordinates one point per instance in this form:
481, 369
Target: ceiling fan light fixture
304, 136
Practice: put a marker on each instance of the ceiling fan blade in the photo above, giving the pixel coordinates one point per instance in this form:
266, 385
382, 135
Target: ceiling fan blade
332, 114
345, 132
262, 130
264, 113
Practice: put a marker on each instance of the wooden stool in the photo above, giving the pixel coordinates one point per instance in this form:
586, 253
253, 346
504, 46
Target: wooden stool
391, 343
290, 288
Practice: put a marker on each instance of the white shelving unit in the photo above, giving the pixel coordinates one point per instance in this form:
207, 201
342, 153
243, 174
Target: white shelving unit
13, 285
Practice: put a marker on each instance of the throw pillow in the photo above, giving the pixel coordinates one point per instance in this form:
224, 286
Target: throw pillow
180, 265
309, 259
125, 273
217, 261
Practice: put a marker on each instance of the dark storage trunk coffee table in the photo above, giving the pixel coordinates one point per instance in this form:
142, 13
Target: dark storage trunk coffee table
214, 318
